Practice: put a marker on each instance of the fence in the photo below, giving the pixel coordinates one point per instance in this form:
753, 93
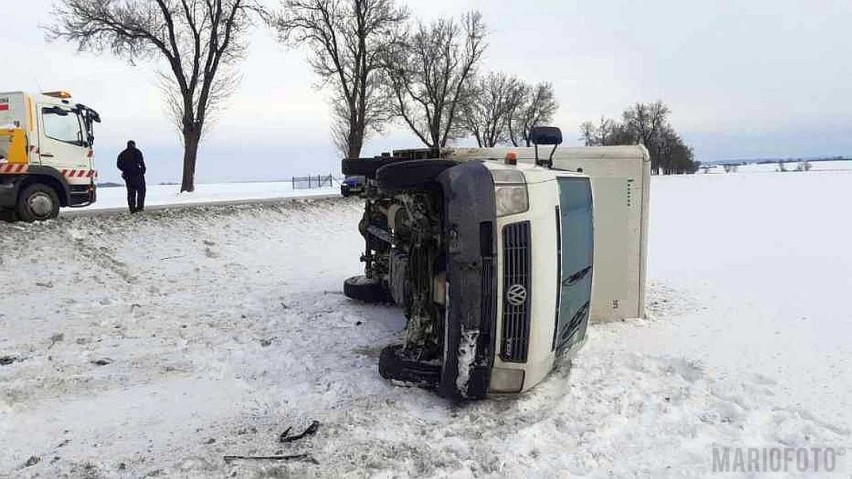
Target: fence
308, 182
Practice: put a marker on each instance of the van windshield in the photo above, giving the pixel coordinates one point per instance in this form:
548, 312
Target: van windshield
576, 249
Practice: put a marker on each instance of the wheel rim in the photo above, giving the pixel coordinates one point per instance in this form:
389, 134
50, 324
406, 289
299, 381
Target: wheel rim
41, 204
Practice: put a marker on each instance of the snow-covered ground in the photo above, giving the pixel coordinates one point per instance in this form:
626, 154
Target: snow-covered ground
843, 165
156, 344
158, 195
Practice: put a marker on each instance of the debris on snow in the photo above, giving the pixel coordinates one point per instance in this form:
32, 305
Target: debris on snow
7, 360
309, 431
294, 457
56, 338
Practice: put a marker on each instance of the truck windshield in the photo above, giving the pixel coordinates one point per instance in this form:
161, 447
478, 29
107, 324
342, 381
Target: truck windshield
576, 245
62, 125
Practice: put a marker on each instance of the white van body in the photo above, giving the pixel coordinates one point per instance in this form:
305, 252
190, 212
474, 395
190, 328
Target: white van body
620, 178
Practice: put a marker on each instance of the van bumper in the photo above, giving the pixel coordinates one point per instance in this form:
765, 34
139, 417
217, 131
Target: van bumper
471, 317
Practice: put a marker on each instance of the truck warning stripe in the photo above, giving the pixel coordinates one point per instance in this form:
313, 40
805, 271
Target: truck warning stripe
15, 169
79, 173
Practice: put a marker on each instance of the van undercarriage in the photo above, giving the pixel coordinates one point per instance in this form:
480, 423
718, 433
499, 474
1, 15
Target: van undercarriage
425, 249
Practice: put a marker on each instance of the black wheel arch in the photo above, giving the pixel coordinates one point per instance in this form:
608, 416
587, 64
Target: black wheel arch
49, 176
411, 174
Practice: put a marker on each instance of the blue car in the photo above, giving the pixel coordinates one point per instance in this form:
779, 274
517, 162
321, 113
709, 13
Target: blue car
352, 185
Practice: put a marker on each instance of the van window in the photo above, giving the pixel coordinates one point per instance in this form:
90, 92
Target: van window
576, 247
62, 125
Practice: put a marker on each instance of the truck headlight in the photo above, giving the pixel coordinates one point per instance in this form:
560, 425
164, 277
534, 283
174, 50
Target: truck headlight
510, 192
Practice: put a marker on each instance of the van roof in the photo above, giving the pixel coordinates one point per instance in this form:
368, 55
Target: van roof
624, 152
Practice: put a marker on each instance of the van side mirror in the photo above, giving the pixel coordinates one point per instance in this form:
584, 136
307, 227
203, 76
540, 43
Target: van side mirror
545, 135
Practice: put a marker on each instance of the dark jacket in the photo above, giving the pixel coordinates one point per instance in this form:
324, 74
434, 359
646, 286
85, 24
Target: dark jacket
131, 163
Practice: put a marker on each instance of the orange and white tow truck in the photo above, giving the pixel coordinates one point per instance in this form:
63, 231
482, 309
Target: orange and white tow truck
46, 155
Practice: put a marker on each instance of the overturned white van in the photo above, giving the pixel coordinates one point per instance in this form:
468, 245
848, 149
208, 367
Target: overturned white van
499, 257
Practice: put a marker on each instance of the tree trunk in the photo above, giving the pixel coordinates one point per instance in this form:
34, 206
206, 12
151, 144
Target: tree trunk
191, 141
355, 143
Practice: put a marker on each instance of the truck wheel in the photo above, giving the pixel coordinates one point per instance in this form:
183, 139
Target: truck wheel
396, 366
363, 166
368, 290
37, 202
408, 175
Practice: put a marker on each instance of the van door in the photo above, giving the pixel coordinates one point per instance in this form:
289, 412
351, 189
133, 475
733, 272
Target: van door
62, 144
576, 250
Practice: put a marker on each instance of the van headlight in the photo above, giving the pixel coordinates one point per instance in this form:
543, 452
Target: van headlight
510, 192
507, 380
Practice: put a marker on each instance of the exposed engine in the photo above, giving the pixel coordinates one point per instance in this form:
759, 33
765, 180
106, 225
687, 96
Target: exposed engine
404, 233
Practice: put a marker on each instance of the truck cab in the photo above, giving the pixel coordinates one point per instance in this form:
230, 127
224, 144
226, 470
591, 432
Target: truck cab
491, 260
46, 154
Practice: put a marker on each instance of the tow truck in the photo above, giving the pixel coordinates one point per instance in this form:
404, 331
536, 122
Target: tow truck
499, 257
46, 155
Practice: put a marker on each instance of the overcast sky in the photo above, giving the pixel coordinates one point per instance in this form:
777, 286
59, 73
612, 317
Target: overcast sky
744, 79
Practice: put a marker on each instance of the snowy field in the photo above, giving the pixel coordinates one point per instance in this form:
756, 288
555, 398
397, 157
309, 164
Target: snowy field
160, 195
153, 345
844, 165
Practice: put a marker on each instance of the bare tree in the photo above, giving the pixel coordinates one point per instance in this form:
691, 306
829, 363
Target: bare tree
647, 124
427, 75
588, 133
198, 39
646, 120
537, 108
348, 39
491, 101
607, 132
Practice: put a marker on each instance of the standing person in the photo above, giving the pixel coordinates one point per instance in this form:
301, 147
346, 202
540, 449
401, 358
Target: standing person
132, 166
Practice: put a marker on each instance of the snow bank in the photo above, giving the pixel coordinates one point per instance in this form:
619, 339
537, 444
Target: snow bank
116, 197
156, 344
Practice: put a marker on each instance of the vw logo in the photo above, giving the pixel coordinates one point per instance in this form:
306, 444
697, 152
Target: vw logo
516, 295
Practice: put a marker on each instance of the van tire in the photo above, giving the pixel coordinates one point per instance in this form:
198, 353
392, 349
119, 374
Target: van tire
37, 202
368, 290
411, 175
363, 166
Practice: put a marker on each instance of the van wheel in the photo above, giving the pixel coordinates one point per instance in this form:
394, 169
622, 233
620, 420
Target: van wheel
368, 290
410, 175
37, 202
363, 166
